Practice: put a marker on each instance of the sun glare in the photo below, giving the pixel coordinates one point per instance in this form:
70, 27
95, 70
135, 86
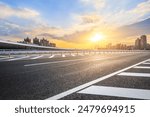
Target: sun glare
97, 37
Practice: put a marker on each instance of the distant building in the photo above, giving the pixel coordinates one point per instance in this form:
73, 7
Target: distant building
131, 47
137, 43
148, 46
121, 46
143, 42
27, 40
109, 46
44, 42
36, 41
52, 45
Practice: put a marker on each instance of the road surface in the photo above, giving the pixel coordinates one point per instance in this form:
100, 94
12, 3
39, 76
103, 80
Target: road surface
109, 75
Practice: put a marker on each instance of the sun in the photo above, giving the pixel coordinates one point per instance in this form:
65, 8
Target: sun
97, 37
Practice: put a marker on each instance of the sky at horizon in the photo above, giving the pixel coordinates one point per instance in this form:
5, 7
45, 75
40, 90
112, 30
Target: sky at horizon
71, 23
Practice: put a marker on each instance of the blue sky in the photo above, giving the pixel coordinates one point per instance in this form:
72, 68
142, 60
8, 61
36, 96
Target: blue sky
55, 12
59, 19
59, 12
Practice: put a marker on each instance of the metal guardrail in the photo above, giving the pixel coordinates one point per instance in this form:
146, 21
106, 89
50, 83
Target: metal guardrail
70, 52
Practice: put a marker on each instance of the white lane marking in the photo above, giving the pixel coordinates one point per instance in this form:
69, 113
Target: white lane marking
63, 55
146, 63
142, 67
37, 57
117, 91
51, 56
5, 58
73, 90
134, 74
37, 64
18, 58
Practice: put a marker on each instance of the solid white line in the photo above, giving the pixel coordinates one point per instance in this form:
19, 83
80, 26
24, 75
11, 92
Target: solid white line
117, 91
52, 56
142, 67
18, 58
134, 74
37, 57
63, 55
68, 92
146, 63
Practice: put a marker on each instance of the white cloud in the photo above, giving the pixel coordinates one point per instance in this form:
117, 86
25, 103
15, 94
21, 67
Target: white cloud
88, 18
9, 30
126, 17
142, 8
7, 11
117, 16
107, 21
30, 17
95, 3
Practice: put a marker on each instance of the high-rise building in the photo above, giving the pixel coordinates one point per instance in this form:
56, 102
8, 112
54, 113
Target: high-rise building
44, 42
143, 42
137, 43
36, 41
27, 40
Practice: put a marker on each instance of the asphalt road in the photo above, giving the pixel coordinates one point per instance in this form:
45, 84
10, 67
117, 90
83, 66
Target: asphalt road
34, 77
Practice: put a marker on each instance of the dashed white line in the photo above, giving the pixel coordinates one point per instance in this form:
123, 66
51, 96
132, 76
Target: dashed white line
142, 67
37, 57
4, 58
18, 58
45, 63
117, 92
134, 74
73, 90
51, 56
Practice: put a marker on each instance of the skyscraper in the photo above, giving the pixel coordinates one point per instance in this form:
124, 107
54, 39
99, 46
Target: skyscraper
143, 42
137, 43
36, 41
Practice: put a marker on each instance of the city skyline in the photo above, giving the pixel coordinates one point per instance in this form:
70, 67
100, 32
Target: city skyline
75, 26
